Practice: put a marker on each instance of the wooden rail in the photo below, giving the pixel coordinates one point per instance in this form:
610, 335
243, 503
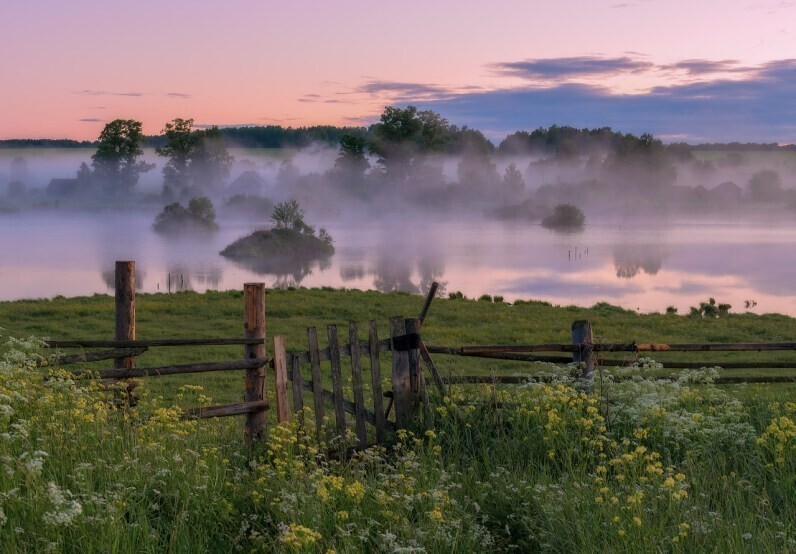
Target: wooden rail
614, 347
56, 343
125, 349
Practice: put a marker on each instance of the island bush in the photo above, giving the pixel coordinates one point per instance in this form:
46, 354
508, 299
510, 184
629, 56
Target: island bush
199, 216
565, 217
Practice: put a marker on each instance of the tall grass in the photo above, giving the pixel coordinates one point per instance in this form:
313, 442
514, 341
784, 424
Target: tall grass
636, 465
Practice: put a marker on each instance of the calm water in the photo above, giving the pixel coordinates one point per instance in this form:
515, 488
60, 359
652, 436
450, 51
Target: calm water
637, 266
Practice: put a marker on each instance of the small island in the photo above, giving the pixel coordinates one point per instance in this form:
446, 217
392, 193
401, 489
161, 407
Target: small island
290, 242
175, 218
566, 218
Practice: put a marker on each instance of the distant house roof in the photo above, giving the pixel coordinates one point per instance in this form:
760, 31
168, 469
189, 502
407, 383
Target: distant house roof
726, 192
248, 182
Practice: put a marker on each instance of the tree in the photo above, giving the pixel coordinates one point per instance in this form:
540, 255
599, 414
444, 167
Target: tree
288, 215
211, 162
513, 183
181, 143
765, 186
197, 158
116, 164
203, 208
351, 159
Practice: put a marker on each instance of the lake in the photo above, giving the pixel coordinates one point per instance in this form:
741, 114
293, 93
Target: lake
636, 265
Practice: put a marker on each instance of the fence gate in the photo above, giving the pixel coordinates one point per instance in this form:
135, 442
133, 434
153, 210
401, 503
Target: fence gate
367, 404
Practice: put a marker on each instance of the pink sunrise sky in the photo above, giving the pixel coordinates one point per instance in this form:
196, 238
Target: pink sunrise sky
697, 70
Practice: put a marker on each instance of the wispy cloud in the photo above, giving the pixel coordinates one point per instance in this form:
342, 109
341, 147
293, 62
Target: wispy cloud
89, 92
180, 95
91, 120
707, 67
563, 68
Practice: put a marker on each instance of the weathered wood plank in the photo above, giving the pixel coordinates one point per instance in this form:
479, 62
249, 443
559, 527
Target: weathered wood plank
519, 379
298, 396
380, 420
337, 380
432, 292
583, 338
281, 380
254, 407
370, 417
57, 343
317, 383
356, 381
401, 376
170, 369
125, 309
84, 357
616, 347
254, 378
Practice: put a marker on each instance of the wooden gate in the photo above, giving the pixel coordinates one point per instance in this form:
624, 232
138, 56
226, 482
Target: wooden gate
302, 371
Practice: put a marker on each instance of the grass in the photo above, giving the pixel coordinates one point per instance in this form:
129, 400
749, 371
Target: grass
451, 322
633, 466
636, 466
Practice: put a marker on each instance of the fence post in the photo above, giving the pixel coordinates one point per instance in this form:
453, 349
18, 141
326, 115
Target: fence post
281, 379
405, 344
125, 309
582, 337
254, 379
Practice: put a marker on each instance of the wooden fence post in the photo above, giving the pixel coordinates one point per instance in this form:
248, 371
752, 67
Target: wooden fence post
405, 343
281, 379
583, 338
254, 379
125, 309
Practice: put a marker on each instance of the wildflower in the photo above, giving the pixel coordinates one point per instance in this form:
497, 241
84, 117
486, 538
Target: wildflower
298, 536
65, 509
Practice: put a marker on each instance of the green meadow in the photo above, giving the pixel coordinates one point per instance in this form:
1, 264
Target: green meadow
634, 465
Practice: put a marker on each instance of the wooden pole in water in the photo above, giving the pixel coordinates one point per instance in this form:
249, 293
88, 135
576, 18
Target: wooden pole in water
254, 379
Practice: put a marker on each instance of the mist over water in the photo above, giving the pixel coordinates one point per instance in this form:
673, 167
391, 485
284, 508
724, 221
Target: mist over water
641, 256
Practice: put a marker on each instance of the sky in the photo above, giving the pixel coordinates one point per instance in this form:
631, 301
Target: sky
696, 71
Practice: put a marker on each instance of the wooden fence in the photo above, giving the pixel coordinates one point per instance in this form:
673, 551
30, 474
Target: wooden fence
588, 354
404, 344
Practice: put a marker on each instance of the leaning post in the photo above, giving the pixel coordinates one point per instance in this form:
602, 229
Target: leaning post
583, 338
254, 379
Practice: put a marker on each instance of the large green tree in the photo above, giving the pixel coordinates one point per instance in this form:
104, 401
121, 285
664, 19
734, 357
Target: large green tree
404, 136
116, 162
196, 158
181, 143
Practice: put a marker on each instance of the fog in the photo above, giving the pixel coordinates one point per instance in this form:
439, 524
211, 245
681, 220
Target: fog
661, 229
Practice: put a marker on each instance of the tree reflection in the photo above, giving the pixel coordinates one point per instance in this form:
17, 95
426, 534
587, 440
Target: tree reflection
109, 278
286, 271
630, 260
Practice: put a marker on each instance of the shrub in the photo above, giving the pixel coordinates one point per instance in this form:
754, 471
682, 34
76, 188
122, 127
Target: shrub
565, 217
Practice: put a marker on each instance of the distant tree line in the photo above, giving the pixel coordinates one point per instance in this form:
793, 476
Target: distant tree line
46, 143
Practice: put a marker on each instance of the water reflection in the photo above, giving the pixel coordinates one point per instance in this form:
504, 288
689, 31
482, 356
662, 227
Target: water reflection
629, 260
109, 278
286, 271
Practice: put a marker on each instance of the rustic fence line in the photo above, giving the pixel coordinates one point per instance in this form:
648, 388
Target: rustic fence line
125, 349
585, 352
404, 344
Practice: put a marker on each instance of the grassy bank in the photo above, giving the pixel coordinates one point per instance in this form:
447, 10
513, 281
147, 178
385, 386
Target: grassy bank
450, 322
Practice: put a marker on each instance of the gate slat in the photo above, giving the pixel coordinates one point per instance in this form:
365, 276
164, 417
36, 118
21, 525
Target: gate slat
359, 396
